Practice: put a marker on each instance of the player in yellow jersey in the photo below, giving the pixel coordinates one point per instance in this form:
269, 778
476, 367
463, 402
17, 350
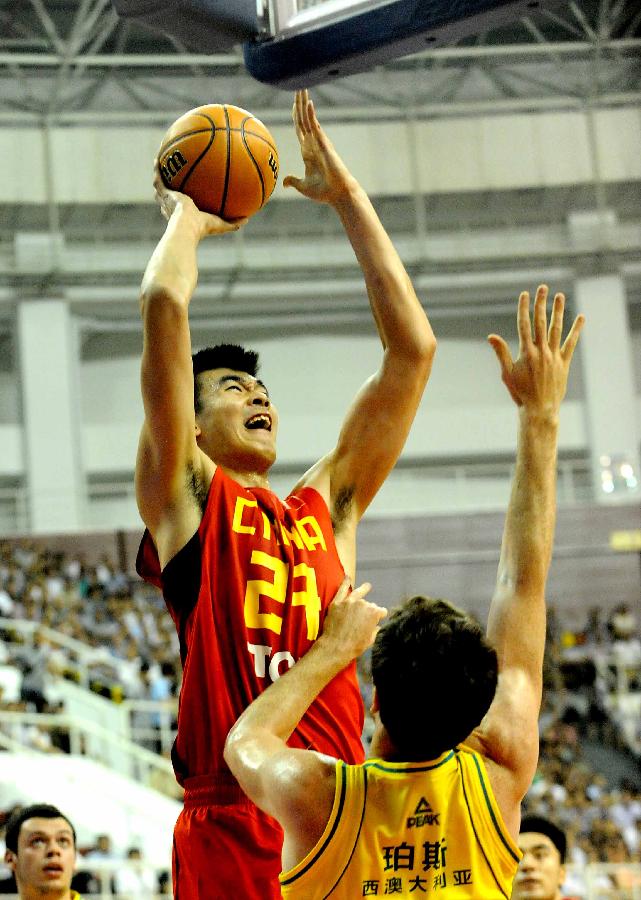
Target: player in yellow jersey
41, 853
456, 740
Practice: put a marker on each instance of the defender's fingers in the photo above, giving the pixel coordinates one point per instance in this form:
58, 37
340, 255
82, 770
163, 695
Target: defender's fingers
293, 181
505, 361
343, 591
382, 612
502, 351
556, 322
540, 315
360, 592
523, 323
573, 336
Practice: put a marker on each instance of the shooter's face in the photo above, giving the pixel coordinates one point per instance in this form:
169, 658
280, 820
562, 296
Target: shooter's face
237, 421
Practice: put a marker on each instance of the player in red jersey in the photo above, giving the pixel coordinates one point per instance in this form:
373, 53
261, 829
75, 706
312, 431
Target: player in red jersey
247, 577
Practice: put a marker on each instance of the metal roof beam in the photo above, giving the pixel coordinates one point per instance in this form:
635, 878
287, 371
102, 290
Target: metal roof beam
220, 60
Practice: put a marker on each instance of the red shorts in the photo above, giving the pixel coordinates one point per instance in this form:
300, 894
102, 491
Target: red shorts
225, 848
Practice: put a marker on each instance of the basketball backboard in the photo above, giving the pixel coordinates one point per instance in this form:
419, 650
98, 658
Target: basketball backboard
299, 43
333, 38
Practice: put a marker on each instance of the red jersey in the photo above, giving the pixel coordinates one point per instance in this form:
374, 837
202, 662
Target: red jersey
248, 595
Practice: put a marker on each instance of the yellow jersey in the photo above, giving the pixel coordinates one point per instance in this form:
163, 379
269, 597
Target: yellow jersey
410, 830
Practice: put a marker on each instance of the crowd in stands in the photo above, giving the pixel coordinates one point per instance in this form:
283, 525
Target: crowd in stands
599, 810
130, 644
131, 651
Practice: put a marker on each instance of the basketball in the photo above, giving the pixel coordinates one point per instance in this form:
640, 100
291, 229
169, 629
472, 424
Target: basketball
223, 158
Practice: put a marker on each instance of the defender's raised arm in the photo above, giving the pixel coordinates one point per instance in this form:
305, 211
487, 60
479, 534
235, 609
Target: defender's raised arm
537, 382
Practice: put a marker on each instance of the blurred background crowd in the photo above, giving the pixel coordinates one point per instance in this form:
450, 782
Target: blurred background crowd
96, 625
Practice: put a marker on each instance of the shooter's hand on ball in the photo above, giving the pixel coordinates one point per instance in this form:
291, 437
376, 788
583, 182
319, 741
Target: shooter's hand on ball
327, 178
206, 223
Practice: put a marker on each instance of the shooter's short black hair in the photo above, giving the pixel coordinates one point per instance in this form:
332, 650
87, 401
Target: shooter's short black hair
222, 356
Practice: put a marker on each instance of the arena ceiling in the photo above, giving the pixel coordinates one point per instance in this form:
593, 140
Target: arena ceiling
76, 64
69, 62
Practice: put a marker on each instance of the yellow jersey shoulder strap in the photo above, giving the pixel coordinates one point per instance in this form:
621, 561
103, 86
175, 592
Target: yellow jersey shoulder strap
342, 830
499, 849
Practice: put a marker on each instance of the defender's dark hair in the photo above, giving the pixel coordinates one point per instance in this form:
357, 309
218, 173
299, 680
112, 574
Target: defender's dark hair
222, 356
35, 811
540, 825
435, 676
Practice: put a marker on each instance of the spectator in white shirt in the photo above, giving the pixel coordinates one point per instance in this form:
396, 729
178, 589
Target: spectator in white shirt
135, 883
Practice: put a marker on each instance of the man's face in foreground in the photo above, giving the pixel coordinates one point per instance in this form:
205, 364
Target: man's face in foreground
540, 873
45, 859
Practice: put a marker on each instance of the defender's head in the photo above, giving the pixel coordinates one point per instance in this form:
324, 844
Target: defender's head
236, 422
435, 677
41, 850
541, 871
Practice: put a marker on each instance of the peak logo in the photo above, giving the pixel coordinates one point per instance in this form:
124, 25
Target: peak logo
423, 815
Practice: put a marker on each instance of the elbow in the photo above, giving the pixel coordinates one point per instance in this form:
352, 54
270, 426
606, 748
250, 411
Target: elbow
423, 353
428, 347
413, 359
238, 748
230, 751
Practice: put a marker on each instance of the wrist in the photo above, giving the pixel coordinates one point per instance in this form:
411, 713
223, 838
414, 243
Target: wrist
349, 195
187, 220
331, 656
545, 418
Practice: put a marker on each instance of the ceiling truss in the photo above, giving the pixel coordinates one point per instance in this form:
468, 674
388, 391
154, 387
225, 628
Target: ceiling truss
75, 63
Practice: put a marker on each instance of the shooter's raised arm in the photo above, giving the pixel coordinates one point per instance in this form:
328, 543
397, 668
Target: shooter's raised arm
378, 422
168, 448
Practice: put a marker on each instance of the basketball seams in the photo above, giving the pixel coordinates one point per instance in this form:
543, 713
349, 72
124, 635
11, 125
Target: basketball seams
255, 162
181, 136
184, 134
202, 155
259, 137
221, 212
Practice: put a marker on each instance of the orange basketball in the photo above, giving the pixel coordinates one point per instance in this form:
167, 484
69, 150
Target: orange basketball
223, 158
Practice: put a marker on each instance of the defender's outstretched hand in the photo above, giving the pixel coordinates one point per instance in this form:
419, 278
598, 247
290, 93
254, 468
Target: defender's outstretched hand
538, 378
351, 622
327, 178
169, 201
